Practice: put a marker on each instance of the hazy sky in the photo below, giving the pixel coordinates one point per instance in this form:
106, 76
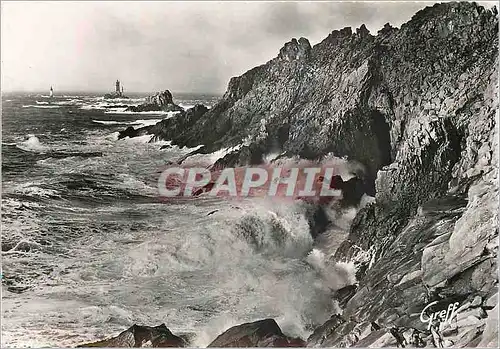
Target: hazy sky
151, 46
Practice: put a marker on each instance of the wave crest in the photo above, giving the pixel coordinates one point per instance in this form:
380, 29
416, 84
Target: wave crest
32, 144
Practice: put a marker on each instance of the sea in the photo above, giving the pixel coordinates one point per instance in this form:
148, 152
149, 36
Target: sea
89, 249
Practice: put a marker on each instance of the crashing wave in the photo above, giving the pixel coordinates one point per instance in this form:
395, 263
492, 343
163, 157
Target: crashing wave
32, 144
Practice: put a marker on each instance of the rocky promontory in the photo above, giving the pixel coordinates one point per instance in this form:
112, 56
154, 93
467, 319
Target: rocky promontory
417, 106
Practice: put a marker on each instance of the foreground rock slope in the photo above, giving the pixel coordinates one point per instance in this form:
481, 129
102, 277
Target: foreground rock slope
263, 333
417, 106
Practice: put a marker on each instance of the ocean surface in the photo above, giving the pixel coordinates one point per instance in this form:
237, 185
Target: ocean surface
88, 249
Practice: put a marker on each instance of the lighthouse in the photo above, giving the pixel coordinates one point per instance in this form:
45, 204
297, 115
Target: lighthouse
117, 88
118, 92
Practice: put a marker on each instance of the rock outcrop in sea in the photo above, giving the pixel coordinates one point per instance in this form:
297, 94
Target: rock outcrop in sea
417, 106
161, 101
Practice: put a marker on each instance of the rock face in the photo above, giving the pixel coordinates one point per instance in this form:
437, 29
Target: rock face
138, 336
161, 101
263, 333
417, 106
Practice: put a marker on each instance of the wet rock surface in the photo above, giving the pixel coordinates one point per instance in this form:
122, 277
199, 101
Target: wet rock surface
139, 336
161, 101
263, 333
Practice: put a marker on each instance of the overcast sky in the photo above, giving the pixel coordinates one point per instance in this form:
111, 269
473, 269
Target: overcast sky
151, 46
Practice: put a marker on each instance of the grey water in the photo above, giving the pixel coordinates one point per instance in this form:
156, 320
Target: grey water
88, 249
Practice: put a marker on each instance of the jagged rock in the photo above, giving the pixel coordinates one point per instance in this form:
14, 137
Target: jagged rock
492, 301
362, 31
161, 101
263, 333
387, 29
345, 294
490, 335
136, 336
419, 243
161, 98
377, 339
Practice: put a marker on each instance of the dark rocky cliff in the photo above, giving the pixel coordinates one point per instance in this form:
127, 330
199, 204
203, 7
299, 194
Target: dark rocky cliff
417, 106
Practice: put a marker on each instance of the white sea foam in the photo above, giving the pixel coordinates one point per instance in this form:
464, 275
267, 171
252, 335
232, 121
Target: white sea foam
40, 106
149, 263
219, 154
186, 106
91, 107
140, 122
70, 102
112, 136
99, 104
210, 158
132, 183
163, 143
143, 123
32, 144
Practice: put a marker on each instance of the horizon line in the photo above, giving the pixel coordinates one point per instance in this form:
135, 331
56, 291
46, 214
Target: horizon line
150, 93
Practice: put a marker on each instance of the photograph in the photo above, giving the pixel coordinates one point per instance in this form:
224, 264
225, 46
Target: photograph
249, 174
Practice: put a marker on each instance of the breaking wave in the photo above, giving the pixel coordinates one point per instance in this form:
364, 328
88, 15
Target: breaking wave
32, 144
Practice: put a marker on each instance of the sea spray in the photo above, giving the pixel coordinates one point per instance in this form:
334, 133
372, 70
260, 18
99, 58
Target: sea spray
32, 144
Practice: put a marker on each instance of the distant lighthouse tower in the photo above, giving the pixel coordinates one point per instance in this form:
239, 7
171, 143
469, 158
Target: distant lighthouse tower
117, 88
118, 92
